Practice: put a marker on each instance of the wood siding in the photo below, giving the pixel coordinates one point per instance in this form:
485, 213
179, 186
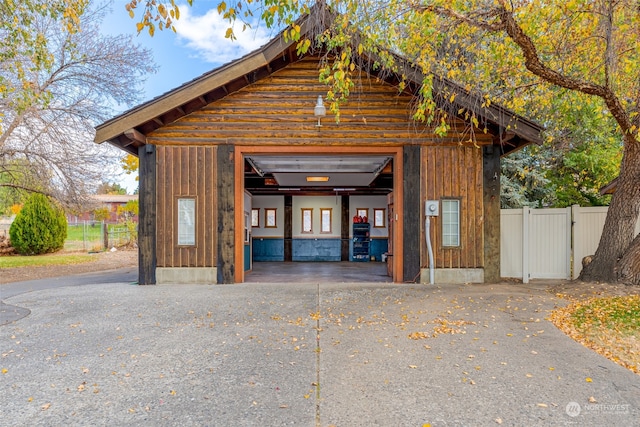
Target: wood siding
278, 110
455, 172
276, 113
186, 171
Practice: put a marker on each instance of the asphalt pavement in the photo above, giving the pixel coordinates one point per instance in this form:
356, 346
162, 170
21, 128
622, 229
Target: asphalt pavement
304, 355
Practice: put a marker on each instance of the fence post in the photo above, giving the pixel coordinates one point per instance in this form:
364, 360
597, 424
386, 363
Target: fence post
569, 243
105, 230
526, 211
575, 241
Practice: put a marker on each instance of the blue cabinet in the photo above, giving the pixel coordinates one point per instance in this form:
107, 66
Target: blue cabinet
361, 242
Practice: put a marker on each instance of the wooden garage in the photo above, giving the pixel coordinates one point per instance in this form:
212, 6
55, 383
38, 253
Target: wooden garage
240, 166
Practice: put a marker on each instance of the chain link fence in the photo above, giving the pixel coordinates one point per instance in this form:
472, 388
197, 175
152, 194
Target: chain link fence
96, 236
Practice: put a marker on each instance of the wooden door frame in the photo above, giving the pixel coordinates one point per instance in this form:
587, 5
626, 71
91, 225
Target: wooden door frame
398, 178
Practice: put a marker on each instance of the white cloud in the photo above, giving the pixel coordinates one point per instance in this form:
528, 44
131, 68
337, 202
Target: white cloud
205, 35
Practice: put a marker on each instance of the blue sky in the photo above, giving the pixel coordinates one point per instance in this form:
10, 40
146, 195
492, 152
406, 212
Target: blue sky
198, 46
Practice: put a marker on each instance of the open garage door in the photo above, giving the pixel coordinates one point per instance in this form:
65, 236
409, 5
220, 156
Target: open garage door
315, 212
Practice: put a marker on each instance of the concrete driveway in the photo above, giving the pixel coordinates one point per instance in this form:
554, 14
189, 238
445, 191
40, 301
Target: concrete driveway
304, 355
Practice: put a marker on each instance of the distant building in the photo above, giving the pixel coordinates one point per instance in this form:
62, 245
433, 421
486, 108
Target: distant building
109, 201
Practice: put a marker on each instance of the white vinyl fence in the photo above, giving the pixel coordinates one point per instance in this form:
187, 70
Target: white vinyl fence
548, 243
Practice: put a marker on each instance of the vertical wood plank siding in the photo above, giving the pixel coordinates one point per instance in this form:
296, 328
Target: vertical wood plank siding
186, 171
277, 111
455, 172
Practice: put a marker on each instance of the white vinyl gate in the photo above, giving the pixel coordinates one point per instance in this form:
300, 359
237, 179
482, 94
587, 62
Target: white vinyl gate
535, 243
549, 243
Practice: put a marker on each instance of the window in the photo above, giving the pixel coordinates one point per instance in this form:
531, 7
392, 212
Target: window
450, 222
270, 218
255, 217
325, 220
362, 213
186, 222
378, 218
247, 228
307, 220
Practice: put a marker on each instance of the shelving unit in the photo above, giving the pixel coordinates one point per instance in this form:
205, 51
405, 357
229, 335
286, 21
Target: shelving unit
361, 242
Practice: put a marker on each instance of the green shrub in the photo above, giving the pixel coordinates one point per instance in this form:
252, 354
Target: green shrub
39, 228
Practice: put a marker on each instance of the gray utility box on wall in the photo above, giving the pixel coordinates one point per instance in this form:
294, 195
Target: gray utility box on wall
432, 208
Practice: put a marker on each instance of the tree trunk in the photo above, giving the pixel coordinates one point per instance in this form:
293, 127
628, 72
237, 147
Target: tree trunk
628, 268
621, 219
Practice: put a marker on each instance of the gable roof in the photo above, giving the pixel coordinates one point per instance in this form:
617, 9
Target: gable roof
128, 130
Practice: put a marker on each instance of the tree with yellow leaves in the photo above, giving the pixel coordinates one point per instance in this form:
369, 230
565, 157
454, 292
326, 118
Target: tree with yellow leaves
542, 59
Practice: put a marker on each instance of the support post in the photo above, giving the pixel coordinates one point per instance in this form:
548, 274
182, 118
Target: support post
412, 157
288, 228
491, 202
345, 229
147, 215
226, 215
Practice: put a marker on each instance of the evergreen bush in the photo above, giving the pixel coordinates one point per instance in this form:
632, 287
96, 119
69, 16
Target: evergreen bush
40, 227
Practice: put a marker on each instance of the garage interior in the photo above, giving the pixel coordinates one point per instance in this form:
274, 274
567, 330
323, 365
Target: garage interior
343, 177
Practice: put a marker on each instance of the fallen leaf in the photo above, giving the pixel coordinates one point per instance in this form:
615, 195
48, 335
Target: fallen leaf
499, 420
592, 400
413, 366
284, 406
46, 406
5, 370
542, 405
588, 379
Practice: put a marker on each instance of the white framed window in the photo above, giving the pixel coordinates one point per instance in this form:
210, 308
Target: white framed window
307, 220
450, 222
325, 220
186, 222
270, 218
255, 217
378, 218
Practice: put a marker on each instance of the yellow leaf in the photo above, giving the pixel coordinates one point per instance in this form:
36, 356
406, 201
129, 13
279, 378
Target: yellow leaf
5, 370
139, 26
172, 392
588, 379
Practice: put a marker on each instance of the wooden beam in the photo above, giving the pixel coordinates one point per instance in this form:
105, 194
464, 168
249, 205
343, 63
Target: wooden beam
412, 213
147, 218
491, 203
226, 216
134, 135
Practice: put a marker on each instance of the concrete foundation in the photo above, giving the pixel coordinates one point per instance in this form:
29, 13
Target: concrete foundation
454, 275
187, 275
